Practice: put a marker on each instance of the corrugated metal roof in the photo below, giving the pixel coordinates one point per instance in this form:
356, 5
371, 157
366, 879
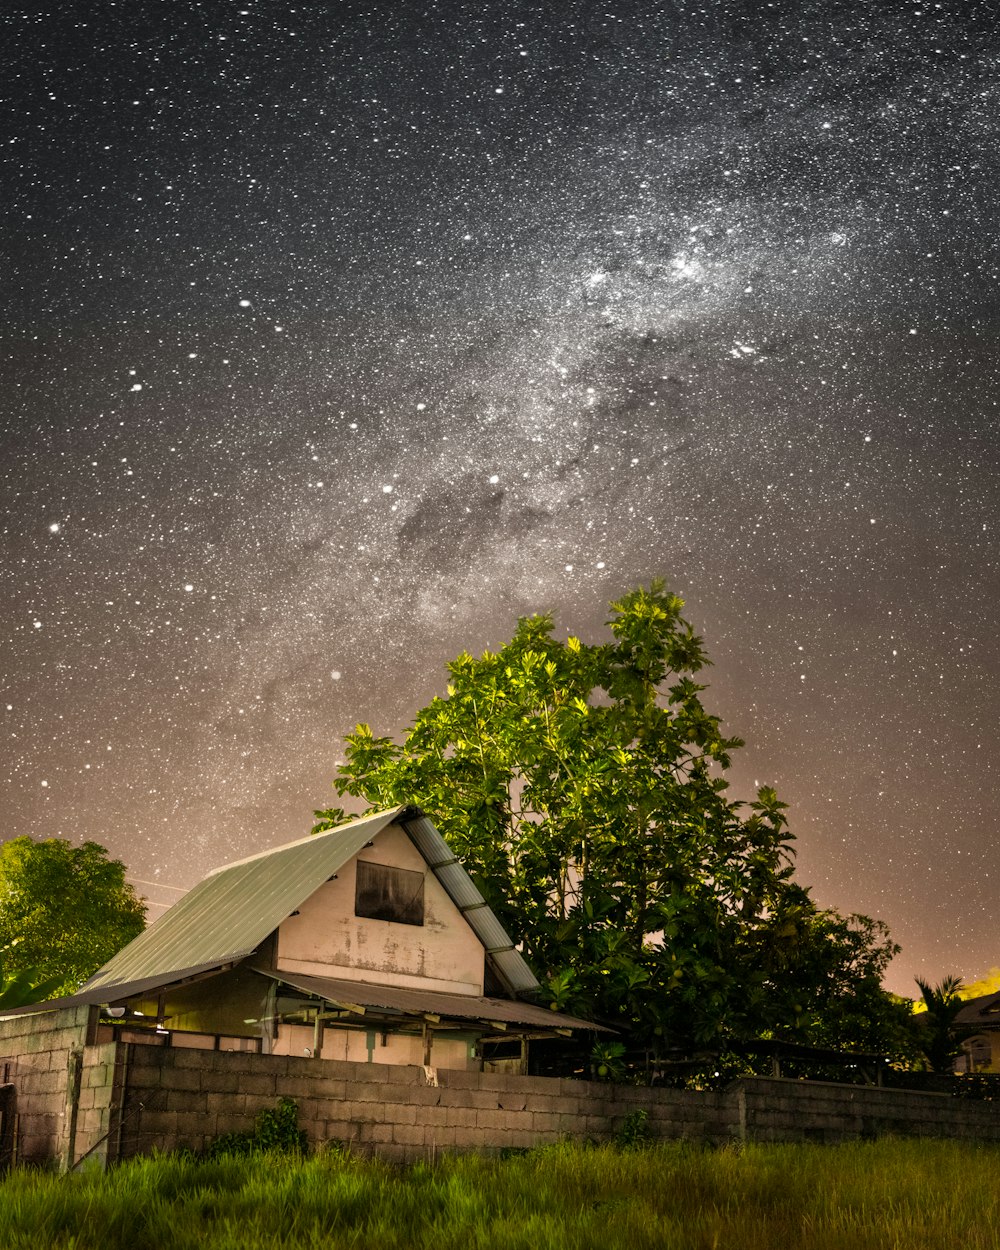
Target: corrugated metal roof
100, 995
430, 1002
442, 862
229, 913
235, 908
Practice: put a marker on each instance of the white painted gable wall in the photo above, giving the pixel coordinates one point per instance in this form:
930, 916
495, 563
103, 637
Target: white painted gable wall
327, 939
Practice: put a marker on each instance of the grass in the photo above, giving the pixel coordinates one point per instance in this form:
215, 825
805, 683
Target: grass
896, 1195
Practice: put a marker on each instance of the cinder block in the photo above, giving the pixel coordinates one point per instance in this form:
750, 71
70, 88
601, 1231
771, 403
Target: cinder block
544, 1122
51, 1082
186, 1079
143, 1078
151, 1099
232, 1122
403, 1114
456, 1078
545, 1106
433, 1116
331, 1088
257, 1084
256, 1103
87, 1121
536, 1085
198, 1059
221, 1082
187, 1100
563, 1104
298, 1086
408, 1134
351, 1111
37, 1150
361, 1092
496, 1081
379, 1113
196, 1123
462, 1117
160, 1125
431, 1096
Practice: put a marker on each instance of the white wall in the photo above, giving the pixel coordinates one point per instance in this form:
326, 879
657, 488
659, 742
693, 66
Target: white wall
327, 939
374, 1046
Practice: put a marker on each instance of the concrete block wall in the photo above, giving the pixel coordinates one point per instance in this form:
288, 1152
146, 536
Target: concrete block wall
788, 1110
39, 1053
186, 1098
119, 1099
96, 1106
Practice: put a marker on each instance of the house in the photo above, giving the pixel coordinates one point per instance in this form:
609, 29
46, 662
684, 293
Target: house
368, 942
362, 974
981, 1050
364, 949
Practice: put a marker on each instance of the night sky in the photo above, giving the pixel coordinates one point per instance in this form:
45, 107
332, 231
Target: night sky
336, 337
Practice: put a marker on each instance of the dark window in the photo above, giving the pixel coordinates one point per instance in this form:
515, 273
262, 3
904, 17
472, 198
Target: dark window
385, 893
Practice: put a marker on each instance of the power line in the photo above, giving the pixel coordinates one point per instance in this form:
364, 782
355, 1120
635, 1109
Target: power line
162, 885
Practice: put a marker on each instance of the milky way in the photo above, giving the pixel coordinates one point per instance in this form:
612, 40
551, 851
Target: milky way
335, 338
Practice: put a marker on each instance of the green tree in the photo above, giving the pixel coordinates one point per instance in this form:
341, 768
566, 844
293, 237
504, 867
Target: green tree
941, 1039
583, 786
64, 911
27, 986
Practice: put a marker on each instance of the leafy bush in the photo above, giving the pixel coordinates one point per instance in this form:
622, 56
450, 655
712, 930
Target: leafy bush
276, 1130
634, 1131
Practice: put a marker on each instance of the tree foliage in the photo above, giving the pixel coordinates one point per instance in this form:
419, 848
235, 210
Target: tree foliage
940, 1038
583, 787
26, 986
64, 911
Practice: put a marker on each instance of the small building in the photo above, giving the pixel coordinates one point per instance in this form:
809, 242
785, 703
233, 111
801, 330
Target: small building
366, 942
981, 1049
369, 943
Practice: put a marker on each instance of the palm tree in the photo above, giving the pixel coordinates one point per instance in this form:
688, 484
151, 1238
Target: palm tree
941, 1040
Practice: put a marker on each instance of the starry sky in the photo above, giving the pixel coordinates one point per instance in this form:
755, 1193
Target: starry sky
337, 336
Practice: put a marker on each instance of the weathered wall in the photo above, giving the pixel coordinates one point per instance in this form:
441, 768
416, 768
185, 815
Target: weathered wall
119, 1099
45, 1058
97, 1105
787, 1110
325, 938
453, 1049
187, 1097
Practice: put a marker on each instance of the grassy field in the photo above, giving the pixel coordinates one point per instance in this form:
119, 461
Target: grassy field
903, 1195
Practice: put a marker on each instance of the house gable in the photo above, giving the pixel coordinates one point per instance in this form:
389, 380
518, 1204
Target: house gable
325, 937
236, 913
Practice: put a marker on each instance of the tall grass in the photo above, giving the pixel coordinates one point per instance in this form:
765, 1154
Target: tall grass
896, 1195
